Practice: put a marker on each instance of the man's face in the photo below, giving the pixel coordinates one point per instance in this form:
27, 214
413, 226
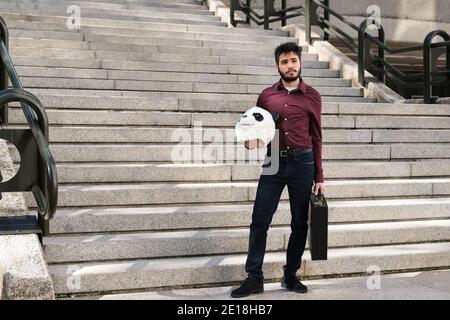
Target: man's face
289, 66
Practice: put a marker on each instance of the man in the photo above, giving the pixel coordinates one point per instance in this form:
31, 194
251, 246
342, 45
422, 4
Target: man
300, 168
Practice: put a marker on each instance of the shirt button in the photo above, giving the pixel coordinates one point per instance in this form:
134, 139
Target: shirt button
285, 118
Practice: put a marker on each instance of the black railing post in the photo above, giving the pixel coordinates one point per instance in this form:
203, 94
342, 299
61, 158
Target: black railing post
361, 52
4, 36
3, 79
232, 21
308, 17
266, 14
326, 17
427, 90
364, 52
283, 14
247, 13
447, 58
427, 64
381, 73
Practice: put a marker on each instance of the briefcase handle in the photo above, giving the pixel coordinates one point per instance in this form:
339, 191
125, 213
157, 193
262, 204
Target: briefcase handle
319, 199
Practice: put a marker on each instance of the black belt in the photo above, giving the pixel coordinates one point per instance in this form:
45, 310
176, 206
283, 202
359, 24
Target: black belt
293, 152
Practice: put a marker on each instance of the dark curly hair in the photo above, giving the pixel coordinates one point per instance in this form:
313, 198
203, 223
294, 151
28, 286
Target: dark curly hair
288, 47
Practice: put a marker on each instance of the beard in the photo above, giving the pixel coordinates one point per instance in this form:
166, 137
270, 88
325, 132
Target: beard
287, 78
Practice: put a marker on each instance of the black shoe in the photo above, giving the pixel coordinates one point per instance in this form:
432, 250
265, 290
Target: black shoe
293, 283
248, 287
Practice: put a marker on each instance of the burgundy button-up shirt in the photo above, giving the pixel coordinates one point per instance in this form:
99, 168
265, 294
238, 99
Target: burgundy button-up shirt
299, 123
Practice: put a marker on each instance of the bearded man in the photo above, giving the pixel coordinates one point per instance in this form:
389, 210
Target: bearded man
300, 168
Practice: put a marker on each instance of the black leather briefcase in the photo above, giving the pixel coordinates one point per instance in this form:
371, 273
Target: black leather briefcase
318, 227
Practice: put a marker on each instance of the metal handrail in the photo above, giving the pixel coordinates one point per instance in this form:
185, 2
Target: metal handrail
45, 190
427, 61
264, 19
367, 59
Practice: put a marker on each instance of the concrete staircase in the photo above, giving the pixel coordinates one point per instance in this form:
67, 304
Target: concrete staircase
130, 219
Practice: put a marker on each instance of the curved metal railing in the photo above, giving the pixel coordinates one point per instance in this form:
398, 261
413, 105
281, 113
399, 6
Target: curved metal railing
45, 187
362, 44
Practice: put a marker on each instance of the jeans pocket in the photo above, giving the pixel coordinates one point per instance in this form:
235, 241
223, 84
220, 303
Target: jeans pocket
305, 158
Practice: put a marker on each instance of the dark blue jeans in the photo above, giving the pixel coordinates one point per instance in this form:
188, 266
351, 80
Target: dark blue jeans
298, 174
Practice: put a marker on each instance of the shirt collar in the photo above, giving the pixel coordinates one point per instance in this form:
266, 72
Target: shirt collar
301, 86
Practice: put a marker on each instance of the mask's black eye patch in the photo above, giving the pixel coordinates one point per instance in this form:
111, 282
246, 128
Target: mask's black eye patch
258, 116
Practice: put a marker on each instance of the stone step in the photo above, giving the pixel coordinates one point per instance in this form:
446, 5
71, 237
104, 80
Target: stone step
152, 273
186, 35
161, 7
43, 22
231, 153
124, 5
83, 248
248, 99
189, 193
63, 47
218, 87
167, 135
151, 45
234, 57
89, 33
207, 68
311, 68
130, 7
192, 2
202, 96
171, 86
225, 103
180, 67
205, 120
29, 52
143, 2
117, 19
48, 43
100, 39
39, 34
205, 34
158, 218
72, 173
68, 73
56, 62
394, 109
119, 14
419, 285
212, 56
229, 120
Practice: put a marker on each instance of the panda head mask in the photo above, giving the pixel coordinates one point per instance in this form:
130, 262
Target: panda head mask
256, 124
